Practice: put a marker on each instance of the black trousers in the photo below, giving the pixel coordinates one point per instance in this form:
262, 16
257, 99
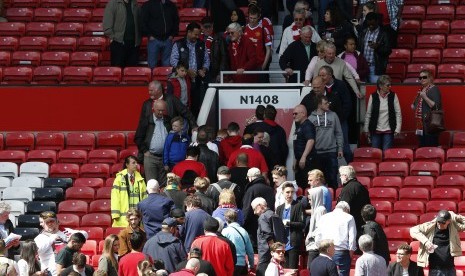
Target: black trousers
292, 258
124, 54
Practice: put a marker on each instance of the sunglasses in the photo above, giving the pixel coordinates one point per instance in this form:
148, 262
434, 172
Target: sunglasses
279, 251
299, 19
422, 77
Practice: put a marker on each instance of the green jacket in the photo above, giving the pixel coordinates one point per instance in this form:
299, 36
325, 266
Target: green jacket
114, 20
425, 232
120, 199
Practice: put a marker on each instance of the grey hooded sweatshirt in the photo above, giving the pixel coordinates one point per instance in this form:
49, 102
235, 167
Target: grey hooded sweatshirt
328, 132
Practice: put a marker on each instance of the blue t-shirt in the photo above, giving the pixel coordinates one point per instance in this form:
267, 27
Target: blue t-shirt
303, 132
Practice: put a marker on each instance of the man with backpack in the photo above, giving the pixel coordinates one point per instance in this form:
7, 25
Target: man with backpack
215, 189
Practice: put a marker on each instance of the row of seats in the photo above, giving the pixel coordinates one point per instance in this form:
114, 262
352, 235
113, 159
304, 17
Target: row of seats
432, 26
433, 154
434, 2
400, 71
414, 206
427, 55
428, 182
50, 28
431, 12
412, 41
77, 3
409, 140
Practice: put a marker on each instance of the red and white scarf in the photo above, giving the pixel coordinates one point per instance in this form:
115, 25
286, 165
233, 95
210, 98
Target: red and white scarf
235, 45
295, 32
419, 110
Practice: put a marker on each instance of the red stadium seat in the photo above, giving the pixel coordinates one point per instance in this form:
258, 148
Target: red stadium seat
435, 206
460, 12
77, 207
419, 182
23, 3
68, 220
28, 43
461, 207
50, 140
447, 81
77, 74
104, 193
452, 55
97, 15
406, 139
105, 59
161, 73
183, 28
100, 206
8, 43
84, 59
64, 170
72, 156
89, 247
12, 28
31, 58
396, 70
393, 245
54, 3
397, 233
407, 219
456, 155
415, 245
17, 75
451, 181
455, 40
115, 168
435, 27
113, 230
82, 3
364, 180
107, 156
130, 140
19, 141
19, 14
69, 29
459, 263
137, 75
111, 140
95, 170
413, 12
387, 181
413, 70
92, 43
458, 140
76, 15
40, 29
93, 28
424, 168
15, 156
389, 194
415, 207
382, 206
109, 182
431, 41
62, 44
47, 74
374, 155
95, 232
133, 151
398, 155
80, 140
365, 168
451, 71
453, 168
81, 193
55, 58
444, 12
108, 75
96, 220
46, 156
430, 154
407, 41
457, 26
5, 58
426, 56
411, 80
446, 194
380, 219
48, 15
414, 194
192, 14
427, 217
393, 169
400, 56
89, 182
409, 27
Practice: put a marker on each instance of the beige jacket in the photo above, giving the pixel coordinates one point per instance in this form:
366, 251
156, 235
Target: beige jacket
425, 232
114, 20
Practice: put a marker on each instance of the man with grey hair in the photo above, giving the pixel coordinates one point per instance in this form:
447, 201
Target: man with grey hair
265, 233
242, 55
369, 263
339, 226
324, 264
298, 54
192, 267
155, 208
7, 227
292, 33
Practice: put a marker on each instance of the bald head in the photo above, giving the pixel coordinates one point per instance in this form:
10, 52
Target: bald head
159, 108
193, 264
300, 113
318, 86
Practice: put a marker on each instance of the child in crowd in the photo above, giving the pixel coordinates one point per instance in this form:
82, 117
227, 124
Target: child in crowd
176, 144
355, 58
179, 85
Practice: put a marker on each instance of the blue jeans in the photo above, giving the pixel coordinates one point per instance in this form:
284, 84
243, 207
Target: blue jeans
442, 272
328, 164
154, 47
342, 260
382, 141
199, 3
372, 77
348, 155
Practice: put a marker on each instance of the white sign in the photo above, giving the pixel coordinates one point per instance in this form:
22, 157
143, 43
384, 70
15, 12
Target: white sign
250, 98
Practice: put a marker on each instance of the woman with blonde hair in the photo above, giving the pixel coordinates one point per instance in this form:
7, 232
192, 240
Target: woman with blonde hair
173, 190
108, 262
227, 200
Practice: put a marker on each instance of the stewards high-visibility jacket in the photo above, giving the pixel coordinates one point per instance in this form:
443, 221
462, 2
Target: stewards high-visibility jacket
125, 196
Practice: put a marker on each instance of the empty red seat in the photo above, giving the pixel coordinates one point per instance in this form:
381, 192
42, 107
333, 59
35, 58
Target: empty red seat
431, 154
19, 14
399, 155
458, 140
40, 29
365, 168
5, 58
387, 181
95, 170
455, 40
86, 194
394, 245
68, 220
77, 74
107, 156
457, 26
84, 59
74, 156
31, 58
400, 56
80, 140
456, 155
421, 194
398, 233
426, 56
12, 28
113, 230
427, 217
413, 70
54, 58
92, 43
47, 156
37, 43
396, 70
47, 74
461, 207
93, 28
407, 41
137, 75
64, 170
48, 15
451, 181
62, 44
435, 27
453, 168
447, 81
54, 3
192, 14
409, 27
382, 206
50, 140
96, 219
424, 168
97, 15
24, 3
69, 29
393, 168
95, 233
15, 156
389, 194
183, 28
109, 182
105, 58
130, 139
407, 219
161, 73
115, 168
364, 180
19, 141
104, 193
109, 75
452, 55
437, 205
100, 206
76, 15
8, 43
89, 247
82, 3
444, 12
451, 71
415, 207
419, 182
413, 12
17, 75
374, 155
89, 182
73, 206
111, 140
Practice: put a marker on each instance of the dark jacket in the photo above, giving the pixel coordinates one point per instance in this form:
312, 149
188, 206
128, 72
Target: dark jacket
380, 243
323, 266
356, 195
295, 57
435, 95
339, 33
264, 234
144, 132
166, 247
193, 226
340, 93
381, 54
395, 269
177, 196
222, 15
155, 208
296, 223
159, 20
219, 57
214, 194
211, 161
207, 203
